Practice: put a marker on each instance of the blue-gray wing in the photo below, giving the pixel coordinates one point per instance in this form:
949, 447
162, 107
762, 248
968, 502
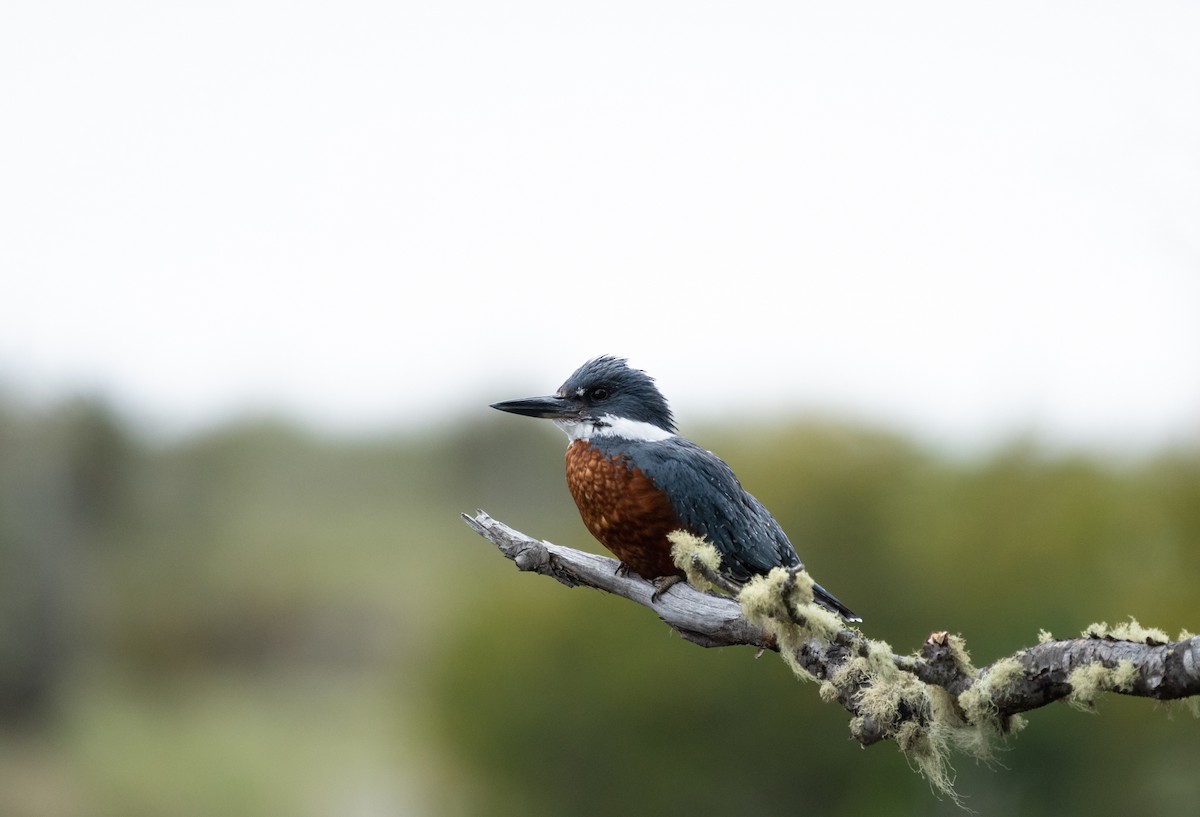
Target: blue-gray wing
710, 502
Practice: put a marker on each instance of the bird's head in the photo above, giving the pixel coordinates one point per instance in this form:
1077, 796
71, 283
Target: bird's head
603, 397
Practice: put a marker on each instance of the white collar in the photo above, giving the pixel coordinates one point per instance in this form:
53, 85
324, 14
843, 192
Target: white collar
610, 426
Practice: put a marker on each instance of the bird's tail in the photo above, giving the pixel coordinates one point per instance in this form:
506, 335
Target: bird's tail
827, 600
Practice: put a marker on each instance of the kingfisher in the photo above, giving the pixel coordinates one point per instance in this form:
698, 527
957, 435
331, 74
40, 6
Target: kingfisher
635, 480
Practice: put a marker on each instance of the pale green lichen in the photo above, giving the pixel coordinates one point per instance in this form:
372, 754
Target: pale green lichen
881, 661
782, 604
1127, 631
1125, 675
926, 722
953, 731
885, 699
874, 669
925, 749
828, 692
979, 701
687, 550
853, 672
944, 708
921, 719
971, 723
786, 595
762, 597
1089, 680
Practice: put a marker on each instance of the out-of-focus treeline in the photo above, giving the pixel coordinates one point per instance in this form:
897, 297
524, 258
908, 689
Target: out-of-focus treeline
258, 620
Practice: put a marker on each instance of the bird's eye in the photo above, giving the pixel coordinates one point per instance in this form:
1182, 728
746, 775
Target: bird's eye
600, 393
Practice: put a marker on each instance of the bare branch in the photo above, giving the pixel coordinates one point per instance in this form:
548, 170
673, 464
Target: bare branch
702, 618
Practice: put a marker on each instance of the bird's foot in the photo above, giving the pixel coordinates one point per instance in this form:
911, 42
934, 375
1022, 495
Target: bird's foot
662, 584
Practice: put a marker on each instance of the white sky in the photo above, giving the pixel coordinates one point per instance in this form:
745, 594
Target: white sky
958, 219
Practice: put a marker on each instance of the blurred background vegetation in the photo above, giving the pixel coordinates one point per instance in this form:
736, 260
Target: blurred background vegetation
260, 620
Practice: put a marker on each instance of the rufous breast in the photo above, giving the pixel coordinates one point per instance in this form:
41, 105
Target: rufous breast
623, 509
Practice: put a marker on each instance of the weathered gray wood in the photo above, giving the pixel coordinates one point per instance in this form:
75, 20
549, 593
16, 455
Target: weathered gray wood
702, 618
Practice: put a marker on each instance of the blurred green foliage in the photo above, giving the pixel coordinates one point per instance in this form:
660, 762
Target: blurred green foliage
259, 620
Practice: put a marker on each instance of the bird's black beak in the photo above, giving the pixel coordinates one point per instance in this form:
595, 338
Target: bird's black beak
551, 407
